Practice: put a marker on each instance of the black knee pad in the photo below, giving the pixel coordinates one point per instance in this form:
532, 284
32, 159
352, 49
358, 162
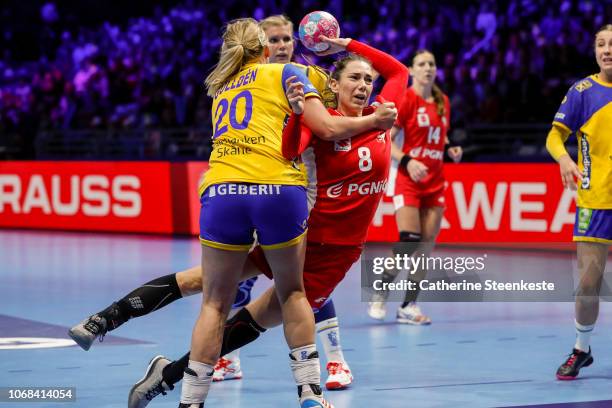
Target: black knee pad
239, 331
408, 243
407, 236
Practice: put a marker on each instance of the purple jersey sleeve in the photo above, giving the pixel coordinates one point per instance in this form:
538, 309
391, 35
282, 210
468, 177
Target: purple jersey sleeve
290, 70
569, 113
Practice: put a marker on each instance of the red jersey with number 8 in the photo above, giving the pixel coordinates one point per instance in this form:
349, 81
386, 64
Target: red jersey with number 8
347, 178
351, 177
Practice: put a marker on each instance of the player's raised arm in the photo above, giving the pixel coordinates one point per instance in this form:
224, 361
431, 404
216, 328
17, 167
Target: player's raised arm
328, 127
394, 72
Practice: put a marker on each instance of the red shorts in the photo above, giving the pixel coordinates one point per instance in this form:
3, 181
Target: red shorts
409, 193
324, 268
259, 259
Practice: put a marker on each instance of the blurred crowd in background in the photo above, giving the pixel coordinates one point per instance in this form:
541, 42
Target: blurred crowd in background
140, 66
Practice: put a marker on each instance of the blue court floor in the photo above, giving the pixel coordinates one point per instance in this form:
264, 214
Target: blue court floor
495, 354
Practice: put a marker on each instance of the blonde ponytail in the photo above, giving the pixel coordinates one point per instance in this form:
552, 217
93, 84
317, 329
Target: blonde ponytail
243, 42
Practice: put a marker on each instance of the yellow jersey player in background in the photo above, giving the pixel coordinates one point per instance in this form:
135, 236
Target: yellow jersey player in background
587, 110
251, 188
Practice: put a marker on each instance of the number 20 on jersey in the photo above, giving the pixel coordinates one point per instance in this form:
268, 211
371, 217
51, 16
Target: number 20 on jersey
227, 107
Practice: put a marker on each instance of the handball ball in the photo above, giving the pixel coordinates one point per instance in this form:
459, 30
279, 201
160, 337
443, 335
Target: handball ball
315, 24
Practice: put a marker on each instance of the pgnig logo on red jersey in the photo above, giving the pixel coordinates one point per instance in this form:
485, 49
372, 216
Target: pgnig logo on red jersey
370, 187
433, 154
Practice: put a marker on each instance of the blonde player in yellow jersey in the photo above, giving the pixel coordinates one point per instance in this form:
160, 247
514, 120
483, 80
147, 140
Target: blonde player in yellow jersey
249, 188
587, 110
281, 44
161, 291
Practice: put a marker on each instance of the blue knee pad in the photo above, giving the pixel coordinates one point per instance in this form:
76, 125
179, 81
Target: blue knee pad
327, 311
243, 296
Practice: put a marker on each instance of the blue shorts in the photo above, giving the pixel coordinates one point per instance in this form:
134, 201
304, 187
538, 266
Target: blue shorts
593, 225
231, 213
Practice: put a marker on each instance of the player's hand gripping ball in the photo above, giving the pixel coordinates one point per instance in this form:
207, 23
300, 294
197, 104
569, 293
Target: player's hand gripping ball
315, 24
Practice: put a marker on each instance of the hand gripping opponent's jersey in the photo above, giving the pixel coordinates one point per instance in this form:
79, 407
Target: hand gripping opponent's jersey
587, 110
248, 117
347, 178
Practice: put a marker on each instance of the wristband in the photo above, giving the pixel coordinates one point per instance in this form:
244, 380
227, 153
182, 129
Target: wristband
404, 161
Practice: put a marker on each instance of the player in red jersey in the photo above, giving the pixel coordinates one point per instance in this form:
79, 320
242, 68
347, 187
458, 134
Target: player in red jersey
164, 290
418, 198
350, 175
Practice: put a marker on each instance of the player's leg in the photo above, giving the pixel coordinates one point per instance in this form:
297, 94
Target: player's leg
325, 267
162, 374
298, 323
328, 330
592, 258
148, 298
220, 276
409, 312
264, 312
143, 300
228, 365
241, 329
280, 221
407, 217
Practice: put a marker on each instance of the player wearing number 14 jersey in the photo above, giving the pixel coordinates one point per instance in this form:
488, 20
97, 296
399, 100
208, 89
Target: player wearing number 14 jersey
418, 195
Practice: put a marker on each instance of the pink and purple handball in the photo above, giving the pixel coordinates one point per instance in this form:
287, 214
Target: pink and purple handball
315, 24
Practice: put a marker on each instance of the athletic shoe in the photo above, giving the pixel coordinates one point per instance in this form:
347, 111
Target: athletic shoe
227, 369
200, 405
339, 375
315, 402
86, 332
151, 385
571, 367
377, 310
411, 314
314, 399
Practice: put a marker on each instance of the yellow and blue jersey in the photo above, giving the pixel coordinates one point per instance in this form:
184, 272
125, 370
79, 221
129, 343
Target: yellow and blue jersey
587, 110
248, 119
316, 75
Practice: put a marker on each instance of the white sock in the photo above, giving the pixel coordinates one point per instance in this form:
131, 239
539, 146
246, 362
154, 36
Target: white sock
329, 334
583, 336
196, 383
305, 368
